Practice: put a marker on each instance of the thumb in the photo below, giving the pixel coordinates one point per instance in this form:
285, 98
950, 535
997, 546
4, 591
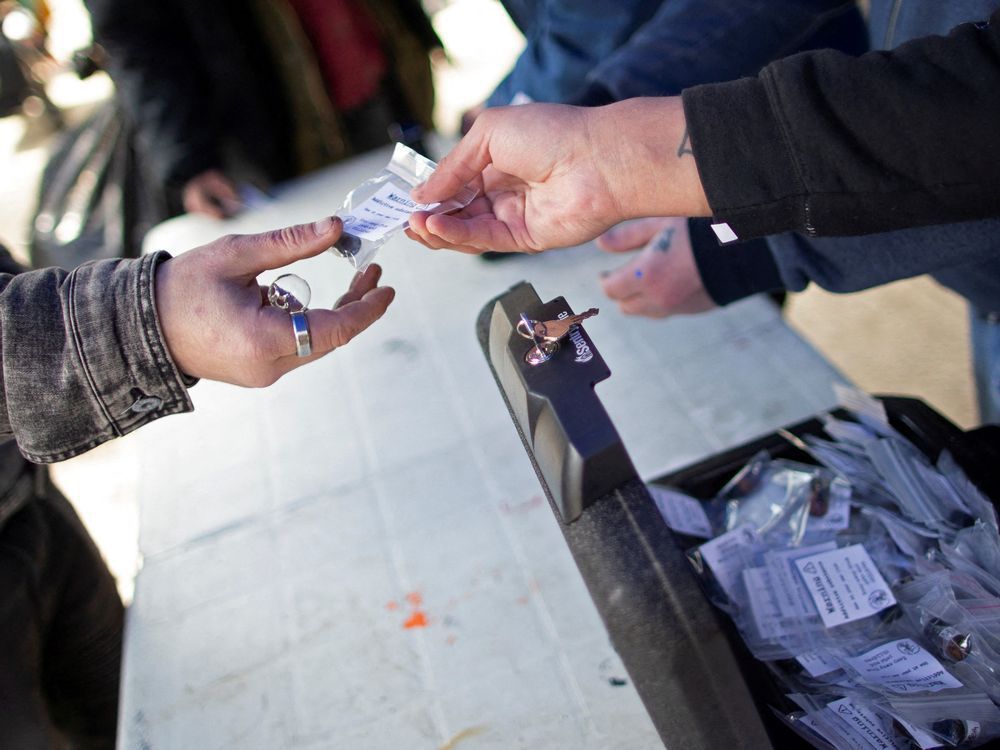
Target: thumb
630, 235
461, 166
252, 254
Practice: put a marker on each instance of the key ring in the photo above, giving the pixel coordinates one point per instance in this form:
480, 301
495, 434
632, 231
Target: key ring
292, 293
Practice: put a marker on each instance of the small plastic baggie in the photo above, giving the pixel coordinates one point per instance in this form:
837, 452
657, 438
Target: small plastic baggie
381, 206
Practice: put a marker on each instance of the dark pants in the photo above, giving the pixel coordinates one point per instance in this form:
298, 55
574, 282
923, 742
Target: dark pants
60, 629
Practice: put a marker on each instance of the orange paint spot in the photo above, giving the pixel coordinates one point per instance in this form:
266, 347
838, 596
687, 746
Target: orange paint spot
392, 606
417, 620
522, 600
450, 640
415, 598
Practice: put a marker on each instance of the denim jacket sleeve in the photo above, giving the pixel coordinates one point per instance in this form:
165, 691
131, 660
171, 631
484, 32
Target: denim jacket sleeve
83, 357
564, 40
689, 42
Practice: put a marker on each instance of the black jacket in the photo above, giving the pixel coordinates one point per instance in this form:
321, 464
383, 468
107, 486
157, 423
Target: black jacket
827, 144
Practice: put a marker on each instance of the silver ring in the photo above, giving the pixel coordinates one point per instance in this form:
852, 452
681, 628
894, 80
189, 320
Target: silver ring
300, 327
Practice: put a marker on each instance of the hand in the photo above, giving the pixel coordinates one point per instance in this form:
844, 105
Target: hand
211, 193
217, 322
554, 176
663, 278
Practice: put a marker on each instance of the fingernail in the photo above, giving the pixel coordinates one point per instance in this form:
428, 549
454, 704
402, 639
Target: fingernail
323, 226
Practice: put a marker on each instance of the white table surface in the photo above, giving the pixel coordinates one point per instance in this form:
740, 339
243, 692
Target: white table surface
290, 534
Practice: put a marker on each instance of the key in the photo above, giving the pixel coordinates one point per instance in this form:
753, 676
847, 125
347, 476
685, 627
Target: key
552, 330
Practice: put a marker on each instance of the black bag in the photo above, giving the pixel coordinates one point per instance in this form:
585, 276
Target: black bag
94, 201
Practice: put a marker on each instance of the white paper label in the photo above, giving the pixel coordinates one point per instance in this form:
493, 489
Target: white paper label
681, 513
386, 211
903, 666
867, 726
844, 584
727, 555
763, 607
791, 594
817, 663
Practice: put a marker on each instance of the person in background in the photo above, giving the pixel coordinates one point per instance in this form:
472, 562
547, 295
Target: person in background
226, 93
589, 54
597, 52
821, 143
90, 355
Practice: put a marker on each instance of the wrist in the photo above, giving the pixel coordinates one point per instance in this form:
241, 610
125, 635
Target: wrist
649, 165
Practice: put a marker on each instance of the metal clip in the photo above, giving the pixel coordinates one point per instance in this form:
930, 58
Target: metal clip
547, 334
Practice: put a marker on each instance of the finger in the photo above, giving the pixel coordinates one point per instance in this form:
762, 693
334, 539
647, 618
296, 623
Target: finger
479, 233
418, 231
362, 283
251, 254
640, 304
623, 282
330, 329
457, 169
631, 234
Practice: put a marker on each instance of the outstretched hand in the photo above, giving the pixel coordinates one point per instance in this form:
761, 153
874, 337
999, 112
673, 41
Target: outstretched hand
216, 320
662, 279
553, 194
554, 176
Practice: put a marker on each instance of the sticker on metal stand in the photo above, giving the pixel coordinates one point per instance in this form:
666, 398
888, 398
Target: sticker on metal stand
547, 334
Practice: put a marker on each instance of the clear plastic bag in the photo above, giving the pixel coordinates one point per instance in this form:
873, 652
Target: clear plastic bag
381, 206
783, 499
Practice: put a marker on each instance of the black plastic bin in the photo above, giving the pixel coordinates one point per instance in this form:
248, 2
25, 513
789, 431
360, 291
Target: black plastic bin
699, 683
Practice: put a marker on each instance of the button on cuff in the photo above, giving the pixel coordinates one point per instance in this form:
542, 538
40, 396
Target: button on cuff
145, 404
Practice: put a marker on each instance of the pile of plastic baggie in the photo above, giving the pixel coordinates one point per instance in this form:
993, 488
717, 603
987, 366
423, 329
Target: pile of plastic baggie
869, 584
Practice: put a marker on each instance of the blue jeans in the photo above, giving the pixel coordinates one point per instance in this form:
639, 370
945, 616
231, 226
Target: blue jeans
985, 329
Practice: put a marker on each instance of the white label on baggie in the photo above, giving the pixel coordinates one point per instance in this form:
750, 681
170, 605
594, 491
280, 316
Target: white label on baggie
779, 603
903, 666
844, 584
817, 663
681, 512
866, 726
386, 211
790, 593
728, 555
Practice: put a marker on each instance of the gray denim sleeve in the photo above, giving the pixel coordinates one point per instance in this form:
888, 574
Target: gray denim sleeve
83, 357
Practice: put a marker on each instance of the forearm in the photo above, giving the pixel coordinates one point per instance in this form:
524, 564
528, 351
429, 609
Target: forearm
83, 357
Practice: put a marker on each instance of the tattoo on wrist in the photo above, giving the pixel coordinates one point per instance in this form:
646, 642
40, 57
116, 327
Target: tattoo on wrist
685, 147
664, 239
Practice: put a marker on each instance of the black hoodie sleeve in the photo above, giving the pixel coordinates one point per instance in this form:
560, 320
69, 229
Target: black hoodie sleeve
828, 144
